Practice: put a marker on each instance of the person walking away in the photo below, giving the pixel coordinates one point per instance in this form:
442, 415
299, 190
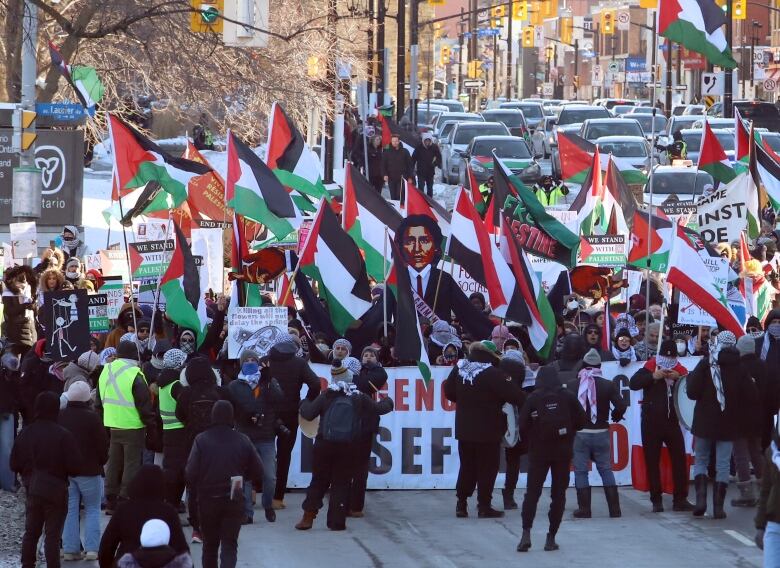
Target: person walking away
45, 455
292, 372
86, 486
660, 424
155, 552
371, 380
221, 460
342, 409
513, 364
723, 390
124, 400
426, 158
596, 395
255, 394
549, 192
480, 390
549, 418
10, 405
174, 437
375, 176
146, 501
767, 520
396, 166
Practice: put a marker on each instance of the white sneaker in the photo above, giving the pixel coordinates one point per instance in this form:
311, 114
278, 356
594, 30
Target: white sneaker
72, 556
91, 555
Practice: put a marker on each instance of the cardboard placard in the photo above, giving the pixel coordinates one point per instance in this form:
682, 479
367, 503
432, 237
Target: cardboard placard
254, 328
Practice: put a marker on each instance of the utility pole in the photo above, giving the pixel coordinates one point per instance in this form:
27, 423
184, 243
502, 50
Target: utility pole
753, 40
473, 55
414, 50
29, 69
370, 46
380, 53
508, 89
400, 95
461, 26
728, 95
331, 84
495, 65
576, 67
668, 103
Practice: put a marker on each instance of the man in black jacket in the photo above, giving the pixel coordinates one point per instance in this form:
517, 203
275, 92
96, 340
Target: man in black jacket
45, 455
660, 424
175, 438
219, 457
480, 390
396, 166
768, 346
426, 158
10, 404
596, 395
549, 419
292, 373
86, 485
513, 364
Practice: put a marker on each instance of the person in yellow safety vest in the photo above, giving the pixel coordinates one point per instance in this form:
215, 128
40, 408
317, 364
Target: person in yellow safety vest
486, 191
124, 401
175, 438
548, 192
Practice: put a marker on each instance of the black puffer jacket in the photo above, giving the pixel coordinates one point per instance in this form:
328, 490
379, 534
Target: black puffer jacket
292, 373
478, 415
768, 386
372, 379
87, 428
196, 400
570, 360
607, 396
256, 416
657, 402
366, 407
396, 163
709, 421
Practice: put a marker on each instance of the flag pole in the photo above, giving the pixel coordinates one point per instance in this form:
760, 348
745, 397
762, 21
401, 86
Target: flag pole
652, 169
384, 293
129, 267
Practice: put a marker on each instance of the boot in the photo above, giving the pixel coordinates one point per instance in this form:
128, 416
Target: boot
509, 499
700, 485
550, 543
583, 503
307, 521
718, 498
613, 501
747, 496
525, 541
489, 513
682, 505
461, 509
658, 503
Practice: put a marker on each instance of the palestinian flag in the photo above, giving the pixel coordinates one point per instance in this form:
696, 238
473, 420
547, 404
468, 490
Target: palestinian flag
138, 161
502, 191
207, 193
768, 170
84, 80
589, 204
151, 202
418, 203
757, 197
741, 143
254, 192
365, 214
291, 159
535, 230
472, 247
692, 277
476, 195
623, 200
628, 172
542, 326
576, 157
712, 158
651, 241
698, 26
601, 208
409, 343
391, 128
185, 304
285, 297
331, 257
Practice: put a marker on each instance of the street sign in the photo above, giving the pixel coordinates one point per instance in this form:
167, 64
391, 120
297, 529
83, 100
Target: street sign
614, 67
548, 89
770, 85
623, 20
712, 84
680, 88
597, 74
63, 112
758, 55
473, 83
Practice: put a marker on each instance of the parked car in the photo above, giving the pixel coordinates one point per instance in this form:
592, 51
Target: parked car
679, 123
609, 104
594, 128
644, 110
692, 138
461, 136
513, 151
454, 117
714, 122
695, 110
532, 111
687, 183
425, 116
452, 105
646, 122
512, 118
634, 150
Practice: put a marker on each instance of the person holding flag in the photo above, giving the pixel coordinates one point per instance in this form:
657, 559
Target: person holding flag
396, 166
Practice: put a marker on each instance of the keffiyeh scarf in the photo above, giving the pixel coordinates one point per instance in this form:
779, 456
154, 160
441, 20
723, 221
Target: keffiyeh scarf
586, 393
347, 388
468, 370
724, 339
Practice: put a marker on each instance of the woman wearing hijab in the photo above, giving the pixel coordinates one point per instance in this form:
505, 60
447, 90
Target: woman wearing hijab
72, 244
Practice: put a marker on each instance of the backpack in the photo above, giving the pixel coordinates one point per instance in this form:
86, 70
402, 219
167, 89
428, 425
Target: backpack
341, 422
201, 405
566, 376
553, 420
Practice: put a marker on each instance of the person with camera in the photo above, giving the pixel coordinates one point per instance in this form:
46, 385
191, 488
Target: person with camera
255, 395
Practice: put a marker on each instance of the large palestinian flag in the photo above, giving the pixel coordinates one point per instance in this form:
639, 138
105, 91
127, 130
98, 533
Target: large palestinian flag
651, 241
576, 156
331, 257
418, 203
185, 303
365, 215
698, 26
84, 80
712, 157
138, 160
741, 143
253, 190
769, 171
291, 159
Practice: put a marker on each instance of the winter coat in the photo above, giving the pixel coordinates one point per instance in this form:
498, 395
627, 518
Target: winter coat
396, 163
10, 400
19, 319
151, 372
142, 398
156, 557
261, 408
34, 379
426, 159
773, 355
87, 428
292, 373
768, 508
195, 401
607, 395
367, 408
768, 386
478, 414
371, 380
709, 421
374, 162
146, 501
657, 398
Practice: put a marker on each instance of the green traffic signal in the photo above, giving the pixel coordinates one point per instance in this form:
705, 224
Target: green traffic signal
209, 14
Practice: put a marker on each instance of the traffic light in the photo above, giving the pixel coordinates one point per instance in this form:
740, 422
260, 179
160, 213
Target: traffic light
607, 22
528, 36
520, 10
535, 16
740, 10
548, 9
567, 29
498, 11
576, 81
445, 54
206, 16
475, 69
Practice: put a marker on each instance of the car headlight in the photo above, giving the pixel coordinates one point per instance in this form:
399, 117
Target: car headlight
478, 168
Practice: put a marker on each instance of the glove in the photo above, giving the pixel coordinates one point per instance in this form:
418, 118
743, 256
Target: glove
616, 417
624, 362
759, 539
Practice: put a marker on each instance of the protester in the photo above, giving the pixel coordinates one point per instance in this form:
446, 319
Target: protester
767, 519
622, 349
174, 437
768, 346
72, 245
45, 455
9, 407
155, 365
86, 485
549, 418
155, 551
480, 390
648, 346
513, 364
73, 273
19, 308
426, 158
375, 176
125, 322
396, 166
549, 192
221, 461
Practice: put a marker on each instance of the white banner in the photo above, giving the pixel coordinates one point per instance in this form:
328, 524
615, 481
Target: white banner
723, 214
416, 447
255, 329
207, 243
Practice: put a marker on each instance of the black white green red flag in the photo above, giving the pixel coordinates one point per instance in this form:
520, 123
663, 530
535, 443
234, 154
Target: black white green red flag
698, 26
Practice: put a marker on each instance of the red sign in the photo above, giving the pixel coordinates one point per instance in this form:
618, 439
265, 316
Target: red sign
693, 60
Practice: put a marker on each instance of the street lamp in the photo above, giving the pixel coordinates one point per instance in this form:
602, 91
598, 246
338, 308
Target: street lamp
756, 25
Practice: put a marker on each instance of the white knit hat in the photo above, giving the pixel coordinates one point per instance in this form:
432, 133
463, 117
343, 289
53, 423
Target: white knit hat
155, 533
88, 361
78, 392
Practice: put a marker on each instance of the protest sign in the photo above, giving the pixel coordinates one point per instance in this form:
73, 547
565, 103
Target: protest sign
114, 263
691, 314
464, 280
149, 259
67, 323
207, 243
254, 328
603, 250
98, 313
155, 230
92, 261
547, 271
24, 240
114, 289
723, 214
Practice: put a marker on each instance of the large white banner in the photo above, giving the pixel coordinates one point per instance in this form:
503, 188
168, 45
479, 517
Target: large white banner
416, 446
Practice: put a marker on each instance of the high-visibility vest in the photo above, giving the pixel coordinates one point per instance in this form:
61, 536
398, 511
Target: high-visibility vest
549, 199
168, 408
116, 394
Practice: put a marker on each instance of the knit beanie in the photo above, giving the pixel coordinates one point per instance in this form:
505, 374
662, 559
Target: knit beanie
78, 392
127, 350
88, 361
174, 359
246, 354
746, 345
155, 533
592, 358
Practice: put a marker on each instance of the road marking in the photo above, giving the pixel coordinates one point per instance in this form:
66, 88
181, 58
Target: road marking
414, 528
736, 535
